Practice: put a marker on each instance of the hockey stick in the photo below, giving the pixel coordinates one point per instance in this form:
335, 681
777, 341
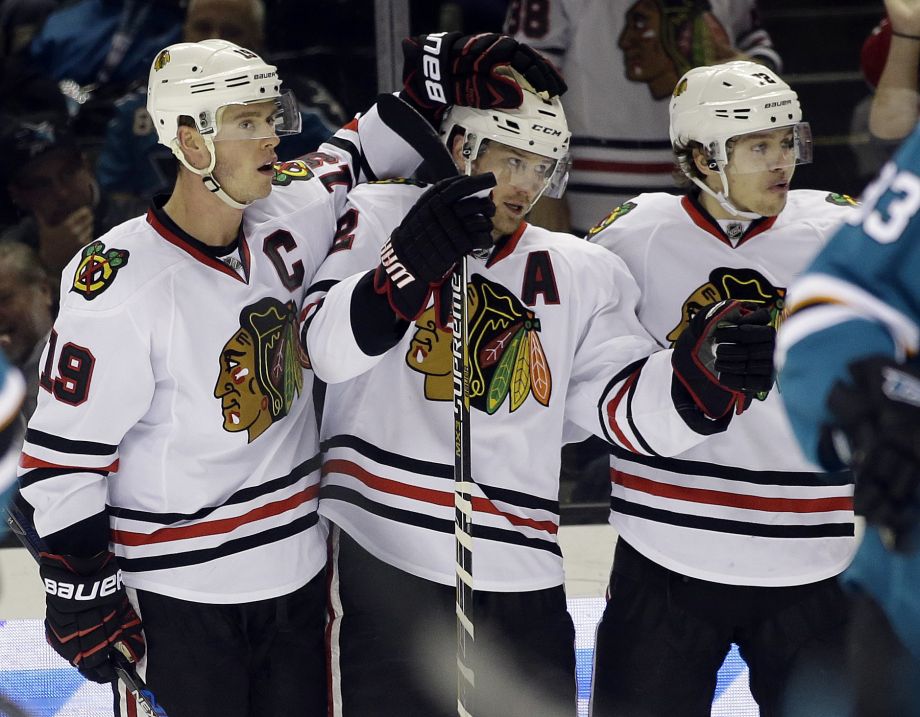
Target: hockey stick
438, 164
23, 529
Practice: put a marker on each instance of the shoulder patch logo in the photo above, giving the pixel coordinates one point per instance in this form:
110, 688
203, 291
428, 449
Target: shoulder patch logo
287, 172
841, 200
97, 269
620, 211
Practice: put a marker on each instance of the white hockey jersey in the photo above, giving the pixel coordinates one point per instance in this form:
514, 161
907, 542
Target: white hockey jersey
620, 145
745, 507
556, 351
174, 394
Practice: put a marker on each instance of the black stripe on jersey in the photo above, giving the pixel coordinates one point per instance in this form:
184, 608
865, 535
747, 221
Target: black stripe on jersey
520, 500
745, 475
36, 475
323, 286
629, 417
621, 143
605, 397
242, 496
231, 547
369, 450
737, 527
436, 470
65, 445
357, 158
428, 522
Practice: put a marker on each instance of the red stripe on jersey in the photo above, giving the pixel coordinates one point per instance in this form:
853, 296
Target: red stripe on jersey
215, 527
599, 165
429, 495
27, 461
730, 500
612, 413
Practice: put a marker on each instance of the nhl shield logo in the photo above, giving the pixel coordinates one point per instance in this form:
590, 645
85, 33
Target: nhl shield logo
161, 60
97, 269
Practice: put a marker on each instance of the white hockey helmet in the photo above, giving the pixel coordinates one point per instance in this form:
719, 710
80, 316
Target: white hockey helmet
537, 126
714, 104
197, 79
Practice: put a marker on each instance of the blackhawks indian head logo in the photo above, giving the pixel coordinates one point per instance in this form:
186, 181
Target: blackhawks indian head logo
507, 359
261, 368
740, 284
97, 269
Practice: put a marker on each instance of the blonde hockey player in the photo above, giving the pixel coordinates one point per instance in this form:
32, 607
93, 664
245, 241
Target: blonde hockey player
556, 351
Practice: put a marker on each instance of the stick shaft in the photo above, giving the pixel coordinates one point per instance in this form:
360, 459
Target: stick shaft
463, 506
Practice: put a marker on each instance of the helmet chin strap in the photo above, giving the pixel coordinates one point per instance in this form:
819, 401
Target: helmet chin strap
207, 174
722, 197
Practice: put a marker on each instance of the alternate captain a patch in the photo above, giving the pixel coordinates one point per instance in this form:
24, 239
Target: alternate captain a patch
97, 270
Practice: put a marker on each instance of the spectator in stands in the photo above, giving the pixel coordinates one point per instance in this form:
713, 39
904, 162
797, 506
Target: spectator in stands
95, 49
895, 46
132, 166
618, 54
48, 178
25, 314
19, 21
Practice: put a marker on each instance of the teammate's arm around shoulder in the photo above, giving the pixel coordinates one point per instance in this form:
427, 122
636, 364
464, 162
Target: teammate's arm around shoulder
367, 313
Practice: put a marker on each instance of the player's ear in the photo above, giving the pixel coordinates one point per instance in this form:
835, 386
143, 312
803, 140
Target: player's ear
703, 163
193, 146
456, 149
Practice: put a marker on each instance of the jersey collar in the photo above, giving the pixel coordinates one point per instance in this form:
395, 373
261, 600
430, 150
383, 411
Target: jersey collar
206, 254
704, 221
506, 245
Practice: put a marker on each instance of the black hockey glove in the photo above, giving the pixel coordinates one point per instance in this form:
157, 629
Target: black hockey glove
445, 224
444, 69
723, 359
877, 433
88, 612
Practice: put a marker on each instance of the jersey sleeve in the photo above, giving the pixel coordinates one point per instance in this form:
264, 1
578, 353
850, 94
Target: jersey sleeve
621, 380
97, 382
545, 25
858, 298
372, 146
347, 325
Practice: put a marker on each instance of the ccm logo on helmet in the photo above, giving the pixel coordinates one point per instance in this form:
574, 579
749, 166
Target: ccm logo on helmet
546, 130
69, 591
431, 68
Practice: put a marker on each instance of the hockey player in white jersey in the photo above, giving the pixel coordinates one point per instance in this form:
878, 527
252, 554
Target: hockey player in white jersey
174, 436
738, 539
621, 59
556, 351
